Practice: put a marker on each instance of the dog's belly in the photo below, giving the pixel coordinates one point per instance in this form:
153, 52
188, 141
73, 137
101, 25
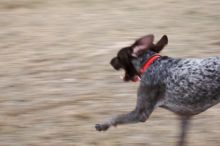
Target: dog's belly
191, 100
188, 109
191, 103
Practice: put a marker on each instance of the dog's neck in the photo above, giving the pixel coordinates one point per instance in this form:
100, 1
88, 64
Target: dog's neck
142, 59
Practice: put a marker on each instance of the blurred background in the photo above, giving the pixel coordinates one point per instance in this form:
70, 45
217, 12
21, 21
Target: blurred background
56, 82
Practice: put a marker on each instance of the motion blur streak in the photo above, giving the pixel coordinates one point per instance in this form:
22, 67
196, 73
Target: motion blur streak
55, 77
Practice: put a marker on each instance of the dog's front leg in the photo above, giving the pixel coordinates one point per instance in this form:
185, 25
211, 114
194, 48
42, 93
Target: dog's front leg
131, 117
145, 105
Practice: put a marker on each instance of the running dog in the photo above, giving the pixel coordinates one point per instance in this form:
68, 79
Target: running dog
184, 86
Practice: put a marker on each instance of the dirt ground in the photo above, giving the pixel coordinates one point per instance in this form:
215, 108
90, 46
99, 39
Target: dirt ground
56, 82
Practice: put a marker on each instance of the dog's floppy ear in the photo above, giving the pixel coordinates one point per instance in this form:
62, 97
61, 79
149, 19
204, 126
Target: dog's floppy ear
115, 63
160, 44
142, 44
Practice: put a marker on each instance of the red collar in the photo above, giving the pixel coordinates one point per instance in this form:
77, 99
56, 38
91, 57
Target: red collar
148, 63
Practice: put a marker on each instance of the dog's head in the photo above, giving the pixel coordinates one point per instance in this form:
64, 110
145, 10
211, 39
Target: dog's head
123, 60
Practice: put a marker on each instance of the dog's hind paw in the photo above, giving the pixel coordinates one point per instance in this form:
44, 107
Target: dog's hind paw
101, 127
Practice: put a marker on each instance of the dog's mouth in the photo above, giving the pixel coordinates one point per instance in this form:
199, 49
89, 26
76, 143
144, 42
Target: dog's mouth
127, 78
130, 73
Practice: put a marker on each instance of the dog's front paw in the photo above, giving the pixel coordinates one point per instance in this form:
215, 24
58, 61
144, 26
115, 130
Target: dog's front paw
102, 127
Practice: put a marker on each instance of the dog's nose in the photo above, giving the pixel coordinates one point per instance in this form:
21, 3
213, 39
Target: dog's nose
115, 63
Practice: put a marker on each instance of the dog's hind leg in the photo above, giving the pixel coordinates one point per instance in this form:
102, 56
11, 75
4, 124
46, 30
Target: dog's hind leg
184, 128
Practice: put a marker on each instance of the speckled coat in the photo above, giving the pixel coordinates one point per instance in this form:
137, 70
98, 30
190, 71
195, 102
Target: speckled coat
184, 86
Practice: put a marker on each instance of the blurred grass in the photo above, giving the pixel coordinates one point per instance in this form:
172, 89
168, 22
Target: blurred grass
55, 77
16, 4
